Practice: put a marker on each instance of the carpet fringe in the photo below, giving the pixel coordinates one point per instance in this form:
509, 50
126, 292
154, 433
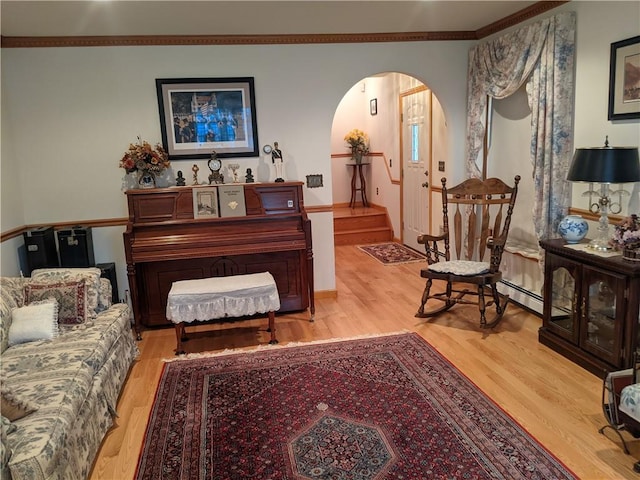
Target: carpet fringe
234, 351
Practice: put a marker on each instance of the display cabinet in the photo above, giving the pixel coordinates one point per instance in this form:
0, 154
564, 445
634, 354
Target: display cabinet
590, 311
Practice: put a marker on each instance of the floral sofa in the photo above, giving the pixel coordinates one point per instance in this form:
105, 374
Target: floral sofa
66, 352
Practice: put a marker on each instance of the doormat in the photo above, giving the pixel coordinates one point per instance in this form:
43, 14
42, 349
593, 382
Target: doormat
386, 407
392, 253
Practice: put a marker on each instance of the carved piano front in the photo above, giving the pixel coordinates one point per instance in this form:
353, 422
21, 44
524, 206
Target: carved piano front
164, 243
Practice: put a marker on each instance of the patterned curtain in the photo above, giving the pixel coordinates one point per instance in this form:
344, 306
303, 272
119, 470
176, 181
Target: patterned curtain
542, 55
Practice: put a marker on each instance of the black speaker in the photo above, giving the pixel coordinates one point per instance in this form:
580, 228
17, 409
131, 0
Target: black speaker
108, 271
40, 246
76, 247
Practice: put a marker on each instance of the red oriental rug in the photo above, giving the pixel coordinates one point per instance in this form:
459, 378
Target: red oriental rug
387, 407
392, 253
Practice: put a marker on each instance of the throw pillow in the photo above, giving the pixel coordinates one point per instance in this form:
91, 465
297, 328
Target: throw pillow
91, 275
71, 297
34, 322
13, 407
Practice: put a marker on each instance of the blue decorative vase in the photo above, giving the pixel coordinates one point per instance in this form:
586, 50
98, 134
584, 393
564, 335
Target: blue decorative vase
573, 228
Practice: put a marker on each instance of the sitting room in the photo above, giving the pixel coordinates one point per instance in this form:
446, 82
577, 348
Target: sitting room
150, 149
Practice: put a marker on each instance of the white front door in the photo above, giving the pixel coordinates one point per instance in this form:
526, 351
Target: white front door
415, 133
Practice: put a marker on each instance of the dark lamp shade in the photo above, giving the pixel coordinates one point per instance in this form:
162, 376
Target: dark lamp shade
605, 165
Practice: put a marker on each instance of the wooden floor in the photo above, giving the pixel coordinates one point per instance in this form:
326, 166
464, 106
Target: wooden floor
558, 402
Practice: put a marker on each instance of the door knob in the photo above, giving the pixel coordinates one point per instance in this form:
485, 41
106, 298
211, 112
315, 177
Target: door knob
425, 184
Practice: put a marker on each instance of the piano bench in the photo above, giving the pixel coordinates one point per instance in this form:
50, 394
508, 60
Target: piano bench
221, 297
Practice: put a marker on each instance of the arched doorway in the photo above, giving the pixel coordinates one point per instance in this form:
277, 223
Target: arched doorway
407, 137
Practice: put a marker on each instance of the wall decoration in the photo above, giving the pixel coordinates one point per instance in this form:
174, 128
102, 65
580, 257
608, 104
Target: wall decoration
314, 181
205, 202
373, 106
624, 79
201, 115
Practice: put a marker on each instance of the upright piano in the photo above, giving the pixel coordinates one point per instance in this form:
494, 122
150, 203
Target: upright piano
164, 243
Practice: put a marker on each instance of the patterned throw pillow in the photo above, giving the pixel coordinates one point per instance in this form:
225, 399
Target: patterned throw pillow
34, 322
91, 275
71, 297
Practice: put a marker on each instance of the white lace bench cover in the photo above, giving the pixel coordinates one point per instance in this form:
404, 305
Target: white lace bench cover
218, 297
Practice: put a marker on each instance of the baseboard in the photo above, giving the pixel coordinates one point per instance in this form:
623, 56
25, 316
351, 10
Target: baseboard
325, 294
529, 300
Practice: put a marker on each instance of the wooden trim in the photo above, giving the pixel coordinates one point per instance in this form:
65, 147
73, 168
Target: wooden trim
9, 234
325, 294
155, 40
518, 17
107, 222
319, 208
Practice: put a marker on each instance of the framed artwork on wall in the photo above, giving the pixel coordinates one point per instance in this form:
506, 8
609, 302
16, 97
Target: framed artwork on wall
624, 79
373, 106
201, 115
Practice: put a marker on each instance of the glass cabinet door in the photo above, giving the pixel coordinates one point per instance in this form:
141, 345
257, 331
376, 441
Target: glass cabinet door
603, 301
563, 315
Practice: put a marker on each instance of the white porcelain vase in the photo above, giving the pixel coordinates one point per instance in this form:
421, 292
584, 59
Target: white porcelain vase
573, 228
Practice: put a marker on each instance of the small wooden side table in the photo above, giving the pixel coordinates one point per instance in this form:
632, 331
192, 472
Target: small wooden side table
358, 173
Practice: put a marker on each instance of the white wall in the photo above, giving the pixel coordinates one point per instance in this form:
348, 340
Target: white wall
69, 114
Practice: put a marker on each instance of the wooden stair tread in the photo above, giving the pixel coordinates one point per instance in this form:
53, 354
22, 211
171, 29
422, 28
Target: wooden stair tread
360, 225
361, 230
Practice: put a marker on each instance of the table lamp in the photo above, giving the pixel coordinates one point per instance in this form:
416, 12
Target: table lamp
604, 165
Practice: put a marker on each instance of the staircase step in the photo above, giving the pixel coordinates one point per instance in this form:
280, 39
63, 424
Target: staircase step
362, 236
359, 225
360, 222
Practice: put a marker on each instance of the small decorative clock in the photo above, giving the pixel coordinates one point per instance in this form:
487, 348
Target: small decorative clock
215, 165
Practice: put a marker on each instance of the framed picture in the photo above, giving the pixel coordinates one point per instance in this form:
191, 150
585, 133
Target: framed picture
314, 181
205, 202
200, 115
624, 80
373, 106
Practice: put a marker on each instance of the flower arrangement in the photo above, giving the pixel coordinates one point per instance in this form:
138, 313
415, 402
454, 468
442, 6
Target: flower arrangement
359, 143
627, 233
142, 157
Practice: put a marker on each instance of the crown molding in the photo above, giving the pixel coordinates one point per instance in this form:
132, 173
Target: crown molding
518, 17
155, 40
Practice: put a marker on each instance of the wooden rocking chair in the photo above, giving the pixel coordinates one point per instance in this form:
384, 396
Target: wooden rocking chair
484, 200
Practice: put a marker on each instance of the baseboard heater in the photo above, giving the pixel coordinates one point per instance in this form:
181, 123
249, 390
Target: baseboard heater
522, 296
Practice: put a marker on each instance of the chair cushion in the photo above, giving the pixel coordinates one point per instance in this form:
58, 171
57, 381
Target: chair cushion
460, 267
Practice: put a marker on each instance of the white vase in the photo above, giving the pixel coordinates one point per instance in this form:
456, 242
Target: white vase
573, 228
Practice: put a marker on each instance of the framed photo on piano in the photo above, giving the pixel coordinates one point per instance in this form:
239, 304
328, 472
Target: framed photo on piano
202, 115
205, 202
